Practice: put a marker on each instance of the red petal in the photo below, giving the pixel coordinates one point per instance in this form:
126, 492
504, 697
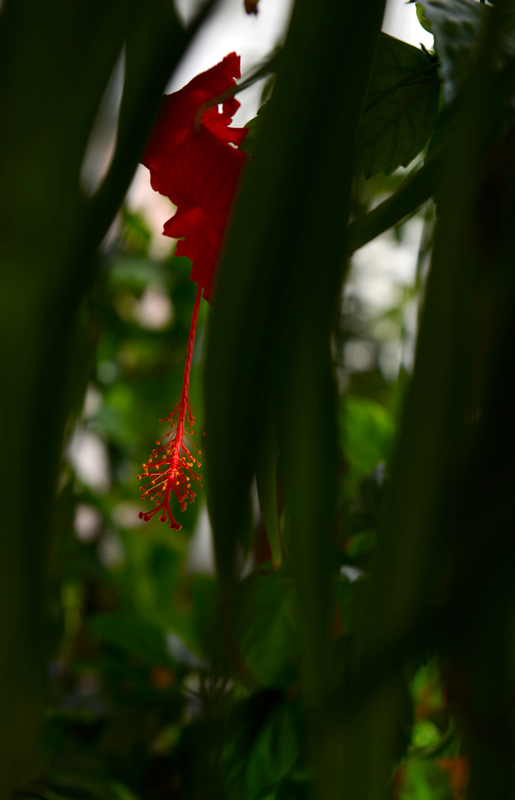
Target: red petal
178, 114
201, 178
193, 162
185, 222
218, 79
219, 125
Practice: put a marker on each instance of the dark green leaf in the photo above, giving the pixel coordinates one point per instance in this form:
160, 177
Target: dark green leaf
421, 18
274, 754
264, 628
133, 635
84, 786
401, 107
263, 748
254, 127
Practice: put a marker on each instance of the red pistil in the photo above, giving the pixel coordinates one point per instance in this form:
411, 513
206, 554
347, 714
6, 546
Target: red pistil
172, 465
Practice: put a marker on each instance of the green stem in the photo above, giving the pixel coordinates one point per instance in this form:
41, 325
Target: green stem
411, 194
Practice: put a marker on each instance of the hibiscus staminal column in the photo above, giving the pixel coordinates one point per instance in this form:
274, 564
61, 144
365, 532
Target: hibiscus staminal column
172, 465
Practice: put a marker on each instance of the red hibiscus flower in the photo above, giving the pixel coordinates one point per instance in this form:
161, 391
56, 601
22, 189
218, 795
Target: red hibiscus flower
193, 159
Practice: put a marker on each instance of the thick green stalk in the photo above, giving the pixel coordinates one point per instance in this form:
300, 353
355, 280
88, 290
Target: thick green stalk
57, 59
269, 363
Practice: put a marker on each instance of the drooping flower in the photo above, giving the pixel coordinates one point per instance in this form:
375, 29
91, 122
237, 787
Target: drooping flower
193, 159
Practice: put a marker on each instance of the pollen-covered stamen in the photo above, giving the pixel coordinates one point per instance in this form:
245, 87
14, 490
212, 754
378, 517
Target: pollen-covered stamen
172, 465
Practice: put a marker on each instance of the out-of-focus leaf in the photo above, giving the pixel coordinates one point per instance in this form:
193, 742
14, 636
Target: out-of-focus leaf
367, 432
135, 274
182, 654
401, 107
151, 578
422, 19
274, 754
457, 27
265, 628
424, 780
136, 235
133, 635
122, 792
263, 748
164, 565
83, 786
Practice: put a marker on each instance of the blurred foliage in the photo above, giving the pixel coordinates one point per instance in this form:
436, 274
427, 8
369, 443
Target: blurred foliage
352, 635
